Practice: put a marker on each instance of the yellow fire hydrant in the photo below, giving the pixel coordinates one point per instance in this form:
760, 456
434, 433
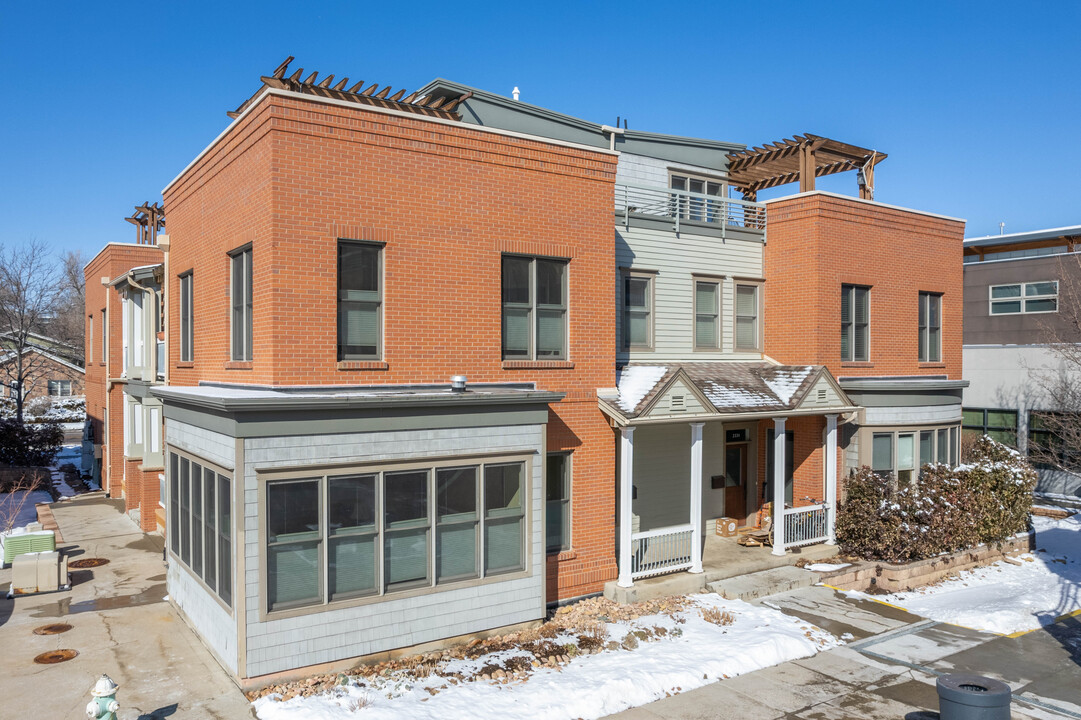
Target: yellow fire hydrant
104, 704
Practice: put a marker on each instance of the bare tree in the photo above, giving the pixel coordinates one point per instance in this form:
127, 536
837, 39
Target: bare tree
15, 497
67, 325
1055, 434
29, 290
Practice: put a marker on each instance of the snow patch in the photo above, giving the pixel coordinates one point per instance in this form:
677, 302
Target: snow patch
635, 382
825, 567
785, 383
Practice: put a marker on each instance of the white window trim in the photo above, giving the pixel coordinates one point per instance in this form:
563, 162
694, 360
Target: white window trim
1023, 298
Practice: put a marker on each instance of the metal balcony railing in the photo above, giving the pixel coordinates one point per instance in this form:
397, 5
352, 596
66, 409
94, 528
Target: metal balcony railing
681, 206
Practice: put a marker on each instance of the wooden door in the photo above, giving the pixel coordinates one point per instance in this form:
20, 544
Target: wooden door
735, 482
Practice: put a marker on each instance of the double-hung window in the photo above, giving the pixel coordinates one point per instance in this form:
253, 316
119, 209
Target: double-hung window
930, 320
360, 301
369, 533
707, 314
1030, 297
855, 323
534, 298
557, 493
241, 298
638, 311
187, 322
747, 328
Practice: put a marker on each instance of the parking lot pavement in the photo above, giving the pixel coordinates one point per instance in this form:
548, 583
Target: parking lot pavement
888, 669
121, 625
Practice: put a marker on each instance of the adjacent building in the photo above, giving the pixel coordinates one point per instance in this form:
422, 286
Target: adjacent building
1021, 327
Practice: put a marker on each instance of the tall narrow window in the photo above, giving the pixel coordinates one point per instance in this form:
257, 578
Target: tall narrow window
503, 517
534, 298
707, 312
90, 339
855, 321
747, 334
557, 491
351, 551
882, 453
456, 523
241, 297
294, 547
405, 559
638, 312
360, 301
906, 457
187, 322
930, 319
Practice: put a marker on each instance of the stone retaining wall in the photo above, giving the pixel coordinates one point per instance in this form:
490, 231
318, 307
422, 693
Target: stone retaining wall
883, 577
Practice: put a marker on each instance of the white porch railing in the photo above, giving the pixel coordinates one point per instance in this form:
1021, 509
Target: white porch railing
681, 205
806, 525
664, 550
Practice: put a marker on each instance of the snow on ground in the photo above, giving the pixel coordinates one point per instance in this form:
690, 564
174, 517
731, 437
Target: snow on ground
825, 567
1006, 598
692, 652
27, 513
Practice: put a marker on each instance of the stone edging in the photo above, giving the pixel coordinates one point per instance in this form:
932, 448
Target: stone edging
883, 577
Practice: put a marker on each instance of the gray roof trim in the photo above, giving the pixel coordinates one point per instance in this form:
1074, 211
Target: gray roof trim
291, 399
563, 119
896, 384
1012, 238
612, 410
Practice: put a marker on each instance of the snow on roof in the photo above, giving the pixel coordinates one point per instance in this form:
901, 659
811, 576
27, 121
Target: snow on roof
786, 381
723, 396
635, 382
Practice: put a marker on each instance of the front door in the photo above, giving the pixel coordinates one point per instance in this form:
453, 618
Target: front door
735, 481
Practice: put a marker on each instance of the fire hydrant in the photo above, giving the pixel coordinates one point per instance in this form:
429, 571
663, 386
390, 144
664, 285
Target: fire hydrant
104, 704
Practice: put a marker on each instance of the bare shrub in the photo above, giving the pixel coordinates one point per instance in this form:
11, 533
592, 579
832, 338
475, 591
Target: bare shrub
718, 616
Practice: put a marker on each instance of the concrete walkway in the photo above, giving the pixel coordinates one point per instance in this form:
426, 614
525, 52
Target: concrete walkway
888, 669
121, 625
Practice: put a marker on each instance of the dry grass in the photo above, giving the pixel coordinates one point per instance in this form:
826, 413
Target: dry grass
718, 617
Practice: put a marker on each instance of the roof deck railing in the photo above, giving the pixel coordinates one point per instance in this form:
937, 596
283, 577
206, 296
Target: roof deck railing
682, 206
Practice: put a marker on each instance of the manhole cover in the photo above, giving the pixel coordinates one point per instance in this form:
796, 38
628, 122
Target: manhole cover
87, 563
54, 629
55, 656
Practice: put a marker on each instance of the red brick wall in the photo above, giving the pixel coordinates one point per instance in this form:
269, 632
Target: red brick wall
112, 261
46, 369
294, 175
818, 242
808, 459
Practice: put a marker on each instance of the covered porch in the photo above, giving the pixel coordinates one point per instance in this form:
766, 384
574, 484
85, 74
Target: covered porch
700, 444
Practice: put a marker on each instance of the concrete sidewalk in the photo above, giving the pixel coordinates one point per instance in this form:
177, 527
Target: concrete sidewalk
121, 625
888, 670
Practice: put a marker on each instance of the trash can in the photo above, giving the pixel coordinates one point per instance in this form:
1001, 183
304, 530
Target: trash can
972, 697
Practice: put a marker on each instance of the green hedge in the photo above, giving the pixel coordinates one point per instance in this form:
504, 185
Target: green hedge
947, 509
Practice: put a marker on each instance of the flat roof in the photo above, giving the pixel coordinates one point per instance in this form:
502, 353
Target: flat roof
1033, 238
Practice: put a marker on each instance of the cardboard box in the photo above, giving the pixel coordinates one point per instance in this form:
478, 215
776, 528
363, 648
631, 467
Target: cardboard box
726, 527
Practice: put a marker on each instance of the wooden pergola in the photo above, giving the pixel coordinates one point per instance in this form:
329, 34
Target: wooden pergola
148, 221
441, 107
801, 158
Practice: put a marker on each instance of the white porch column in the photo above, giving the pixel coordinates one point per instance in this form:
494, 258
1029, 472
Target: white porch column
626, 492
696, 497
778, 485
831, 477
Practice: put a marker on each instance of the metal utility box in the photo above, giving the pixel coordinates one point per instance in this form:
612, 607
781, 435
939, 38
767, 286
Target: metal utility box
28, 542
39, 572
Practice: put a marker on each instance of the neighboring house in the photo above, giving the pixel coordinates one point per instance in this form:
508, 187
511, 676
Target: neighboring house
124, 358
47, 371
1021, 301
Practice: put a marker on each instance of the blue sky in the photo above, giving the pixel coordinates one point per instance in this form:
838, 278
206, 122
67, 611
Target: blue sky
976, 104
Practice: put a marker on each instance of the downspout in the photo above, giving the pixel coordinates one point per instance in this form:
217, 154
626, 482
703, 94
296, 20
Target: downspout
108, 429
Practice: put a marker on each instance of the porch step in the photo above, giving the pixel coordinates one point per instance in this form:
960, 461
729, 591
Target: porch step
753, 586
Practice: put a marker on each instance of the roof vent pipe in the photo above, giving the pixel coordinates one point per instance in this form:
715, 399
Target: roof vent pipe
516, 92
457, 383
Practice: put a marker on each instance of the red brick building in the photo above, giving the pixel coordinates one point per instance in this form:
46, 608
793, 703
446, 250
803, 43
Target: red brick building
874, 293
123, 281
334, 260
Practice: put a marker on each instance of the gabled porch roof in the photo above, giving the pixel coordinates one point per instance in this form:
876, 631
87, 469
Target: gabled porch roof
647, 394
